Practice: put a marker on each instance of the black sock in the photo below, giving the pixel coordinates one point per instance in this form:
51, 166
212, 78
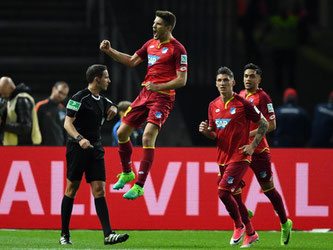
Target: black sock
66, 213
103, 215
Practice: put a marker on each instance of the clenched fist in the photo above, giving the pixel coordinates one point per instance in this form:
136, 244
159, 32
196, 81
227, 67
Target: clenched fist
105, 45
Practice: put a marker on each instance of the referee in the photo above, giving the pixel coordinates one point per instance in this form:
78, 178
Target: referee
85, 114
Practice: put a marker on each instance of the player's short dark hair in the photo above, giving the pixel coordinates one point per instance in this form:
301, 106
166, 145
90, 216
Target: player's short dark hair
95, 70
168, 17
225, 71
254, 67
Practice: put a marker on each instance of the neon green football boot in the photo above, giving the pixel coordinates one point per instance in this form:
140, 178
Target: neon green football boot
135, 192
286, 232
123, 179
251, 214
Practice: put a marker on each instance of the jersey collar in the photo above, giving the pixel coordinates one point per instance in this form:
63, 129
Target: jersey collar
160, 44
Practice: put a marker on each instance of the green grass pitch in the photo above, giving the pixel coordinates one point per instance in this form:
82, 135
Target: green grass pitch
90, 239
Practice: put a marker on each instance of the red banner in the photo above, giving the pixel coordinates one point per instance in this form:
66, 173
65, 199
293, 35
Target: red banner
180, 192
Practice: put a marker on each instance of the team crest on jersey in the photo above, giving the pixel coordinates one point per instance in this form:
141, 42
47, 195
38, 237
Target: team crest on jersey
232, 111
217, 110
251, 99
165, 50
152, 59
158, 115
221, 123
230, 180
183, 59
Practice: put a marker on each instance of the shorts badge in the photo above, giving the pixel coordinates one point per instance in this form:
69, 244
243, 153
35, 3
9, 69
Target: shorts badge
158, 115
230, 180
263, 174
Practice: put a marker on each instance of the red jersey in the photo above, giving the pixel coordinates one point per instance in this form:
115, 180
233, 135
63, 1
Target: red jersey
263, 102
231, 122
164, 60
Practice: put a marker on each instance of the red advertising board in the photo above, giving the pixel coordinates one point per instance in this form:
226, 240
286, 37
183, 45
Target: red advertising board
180, 192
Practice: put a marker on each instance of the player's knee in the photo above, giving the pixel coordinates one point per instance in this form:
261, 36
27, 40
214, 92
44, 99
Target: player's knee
70, 192
98, 192
147, 140
266, 186
122, 136
224, 195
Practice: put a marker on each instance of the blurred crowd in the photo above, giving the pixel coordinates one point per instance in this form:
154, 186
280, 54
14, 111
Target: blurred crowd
22, 122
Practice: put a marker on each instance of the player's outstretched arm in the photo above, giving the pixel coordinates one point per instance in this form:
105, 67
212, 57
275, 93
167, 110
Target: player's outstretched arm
120, 57
206, 130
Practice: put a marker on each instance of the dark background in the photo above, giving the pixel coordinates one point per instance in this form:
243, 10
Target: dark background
42, 42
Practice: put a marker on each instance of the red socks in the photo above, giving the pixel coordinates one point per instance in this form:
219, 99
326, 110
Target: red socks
125, 152
231, 206
145, 165
277, 203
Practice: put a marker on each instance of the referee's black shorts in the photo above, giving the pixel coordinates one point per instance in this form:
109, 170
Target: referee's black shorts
88, 161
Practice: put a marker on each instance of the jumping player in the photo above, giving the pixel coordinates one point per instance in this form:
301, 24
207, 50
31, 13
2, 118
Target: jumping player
166, 71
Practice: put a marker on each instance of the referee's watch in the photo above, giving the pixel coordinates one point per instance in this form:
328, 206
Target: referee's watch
79, 138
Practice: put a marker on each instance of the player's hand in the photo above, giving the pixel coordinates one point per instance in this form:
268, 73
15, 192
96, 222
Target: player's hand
85, 144
112, 112
203, 127
105, 45
151, 86
247, 149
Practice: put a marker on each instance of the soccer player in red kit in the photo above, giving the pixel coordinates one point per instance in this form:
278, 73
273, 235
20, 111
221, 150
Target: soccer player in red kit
261, 158
166, 71
229, 118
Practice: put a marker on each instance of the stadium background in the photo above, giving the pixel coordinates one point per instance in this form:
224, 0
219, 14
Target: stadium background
46, 41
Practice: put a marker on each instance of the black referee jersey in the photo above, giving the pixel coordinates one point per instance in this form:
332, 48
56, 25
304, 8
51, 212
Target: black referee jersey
90, 112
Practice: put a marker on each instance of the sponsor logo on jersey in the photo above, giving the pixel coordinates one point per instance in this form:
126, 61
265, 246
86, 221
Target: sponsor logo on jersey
217, 110
183, 59
152, 59
230, 180
183, 68
164, 50
221, 123
270, 108
263, 174
151, 46
232, 111
251, 99
73, 105
158, 115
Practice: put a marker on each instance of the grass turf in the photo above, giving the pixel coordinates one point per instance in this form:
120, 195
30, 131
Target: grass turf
89, 239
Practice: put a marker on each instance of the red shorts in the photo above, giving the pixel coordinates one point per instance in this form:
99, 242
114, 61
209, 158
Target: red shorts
261, 166
232, 175
149, 106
